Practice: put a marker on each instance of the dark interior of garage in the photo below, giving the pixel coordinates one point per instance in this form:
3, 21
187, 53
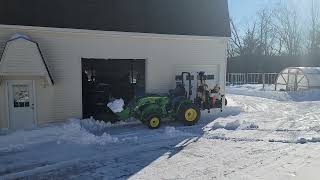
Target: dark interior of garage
106, 79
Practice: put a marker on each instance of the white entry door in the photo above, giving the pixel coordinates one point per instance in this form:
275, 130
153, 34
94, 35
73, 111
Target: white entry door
21, 104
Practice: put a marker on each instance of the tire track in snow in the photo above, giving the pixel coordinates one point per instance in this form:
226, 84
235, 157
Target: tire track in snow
283, 121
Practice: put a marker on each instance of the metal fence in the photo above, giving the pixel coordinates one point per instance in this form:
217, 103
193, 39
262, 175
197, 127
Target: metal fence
251, 78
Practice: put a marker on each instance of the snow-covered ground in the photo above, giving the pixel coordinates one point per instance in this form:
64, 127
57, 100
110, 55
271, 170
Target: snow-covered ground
262, 134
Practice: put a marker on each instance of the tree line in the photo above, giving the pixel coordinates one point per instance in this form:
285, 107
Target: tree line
277, 31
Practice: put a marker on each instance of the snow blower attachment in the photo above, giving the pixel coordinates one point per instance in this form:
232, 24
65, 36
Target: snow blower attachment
207, 98
178, 105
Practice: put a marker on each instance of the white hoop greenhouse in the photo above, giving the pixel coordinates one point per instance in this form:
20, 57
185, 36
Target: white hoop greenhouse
298, 78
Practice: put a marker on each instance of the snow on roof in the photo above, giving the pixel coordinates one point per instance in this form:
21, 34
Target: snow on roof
304, 70
18, 35
310, 70
300, 77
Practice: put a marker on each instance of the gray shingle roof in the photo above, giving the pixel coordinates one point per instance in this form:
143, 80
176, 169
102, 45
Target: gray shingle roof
181, 17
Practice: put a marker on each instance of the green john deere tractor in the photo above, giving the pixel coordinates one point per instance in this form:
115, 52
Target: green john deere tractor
176, 105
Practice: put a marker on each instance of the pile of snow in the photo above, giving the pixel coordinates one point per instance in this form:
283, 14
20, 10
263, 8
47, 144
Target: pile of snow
86, 131
229, 126
96, 126
234, 125
116, 105
73, 132
12, 148
93, 125
173, 132
251, 126
76, 131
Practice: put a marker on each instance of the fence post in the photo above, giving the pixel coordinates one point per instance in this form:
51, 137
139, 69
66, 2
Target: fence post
247, 80
263, 80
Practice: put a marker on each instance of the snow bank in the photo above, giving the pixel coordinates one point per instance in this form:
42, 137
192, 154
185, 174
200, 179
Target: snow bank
74, 132
257, 87
116, 105
86, 131
93, 125
258, 91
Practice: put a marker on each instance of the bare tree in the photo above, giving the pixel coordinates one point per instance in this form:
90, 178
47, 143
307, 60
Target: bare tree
235, 44
314, 35
243, 45
267, 36
288, 30
251, 44
257, 39
275, 32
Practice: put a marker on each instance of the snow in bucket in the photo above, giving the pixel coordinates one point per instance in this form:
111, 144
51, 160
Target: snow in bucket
116, 105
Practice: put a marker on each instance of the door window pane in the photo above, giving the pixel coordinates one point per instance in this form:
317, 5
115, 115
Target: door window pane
21, 96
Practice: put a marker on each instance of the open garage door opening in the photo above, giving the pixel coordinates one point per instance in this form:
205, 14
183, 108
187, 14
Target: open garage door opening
106, 79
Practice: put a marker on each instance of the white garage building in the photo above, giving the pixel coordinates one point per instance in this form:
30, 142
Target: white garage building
70, 51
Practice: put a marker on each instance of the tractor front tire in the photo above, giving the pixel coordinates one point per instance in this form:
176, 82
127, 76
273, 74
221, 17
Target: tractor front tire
153, 122
189, 114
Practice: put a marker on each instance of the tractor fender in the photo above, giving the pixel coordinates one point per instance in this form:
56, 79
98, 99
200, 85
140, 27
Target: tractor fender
182, 104
177, 101
150, 109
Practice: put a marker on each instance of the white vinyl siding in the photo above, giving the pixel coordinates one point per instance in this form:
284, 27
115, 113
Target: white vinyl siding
63, 49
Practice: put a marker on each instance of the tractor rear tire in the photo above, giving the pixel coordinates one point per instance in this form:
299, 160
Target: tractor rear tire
153, 121
189, 114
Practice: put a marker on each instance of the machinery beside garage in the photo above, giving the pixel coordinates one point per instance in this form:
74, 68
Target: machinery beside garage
178, 104
72, 68
114, 90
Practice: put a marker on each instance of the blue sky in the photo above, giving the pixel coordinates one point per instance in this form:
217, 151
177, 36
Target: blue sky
244, 11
